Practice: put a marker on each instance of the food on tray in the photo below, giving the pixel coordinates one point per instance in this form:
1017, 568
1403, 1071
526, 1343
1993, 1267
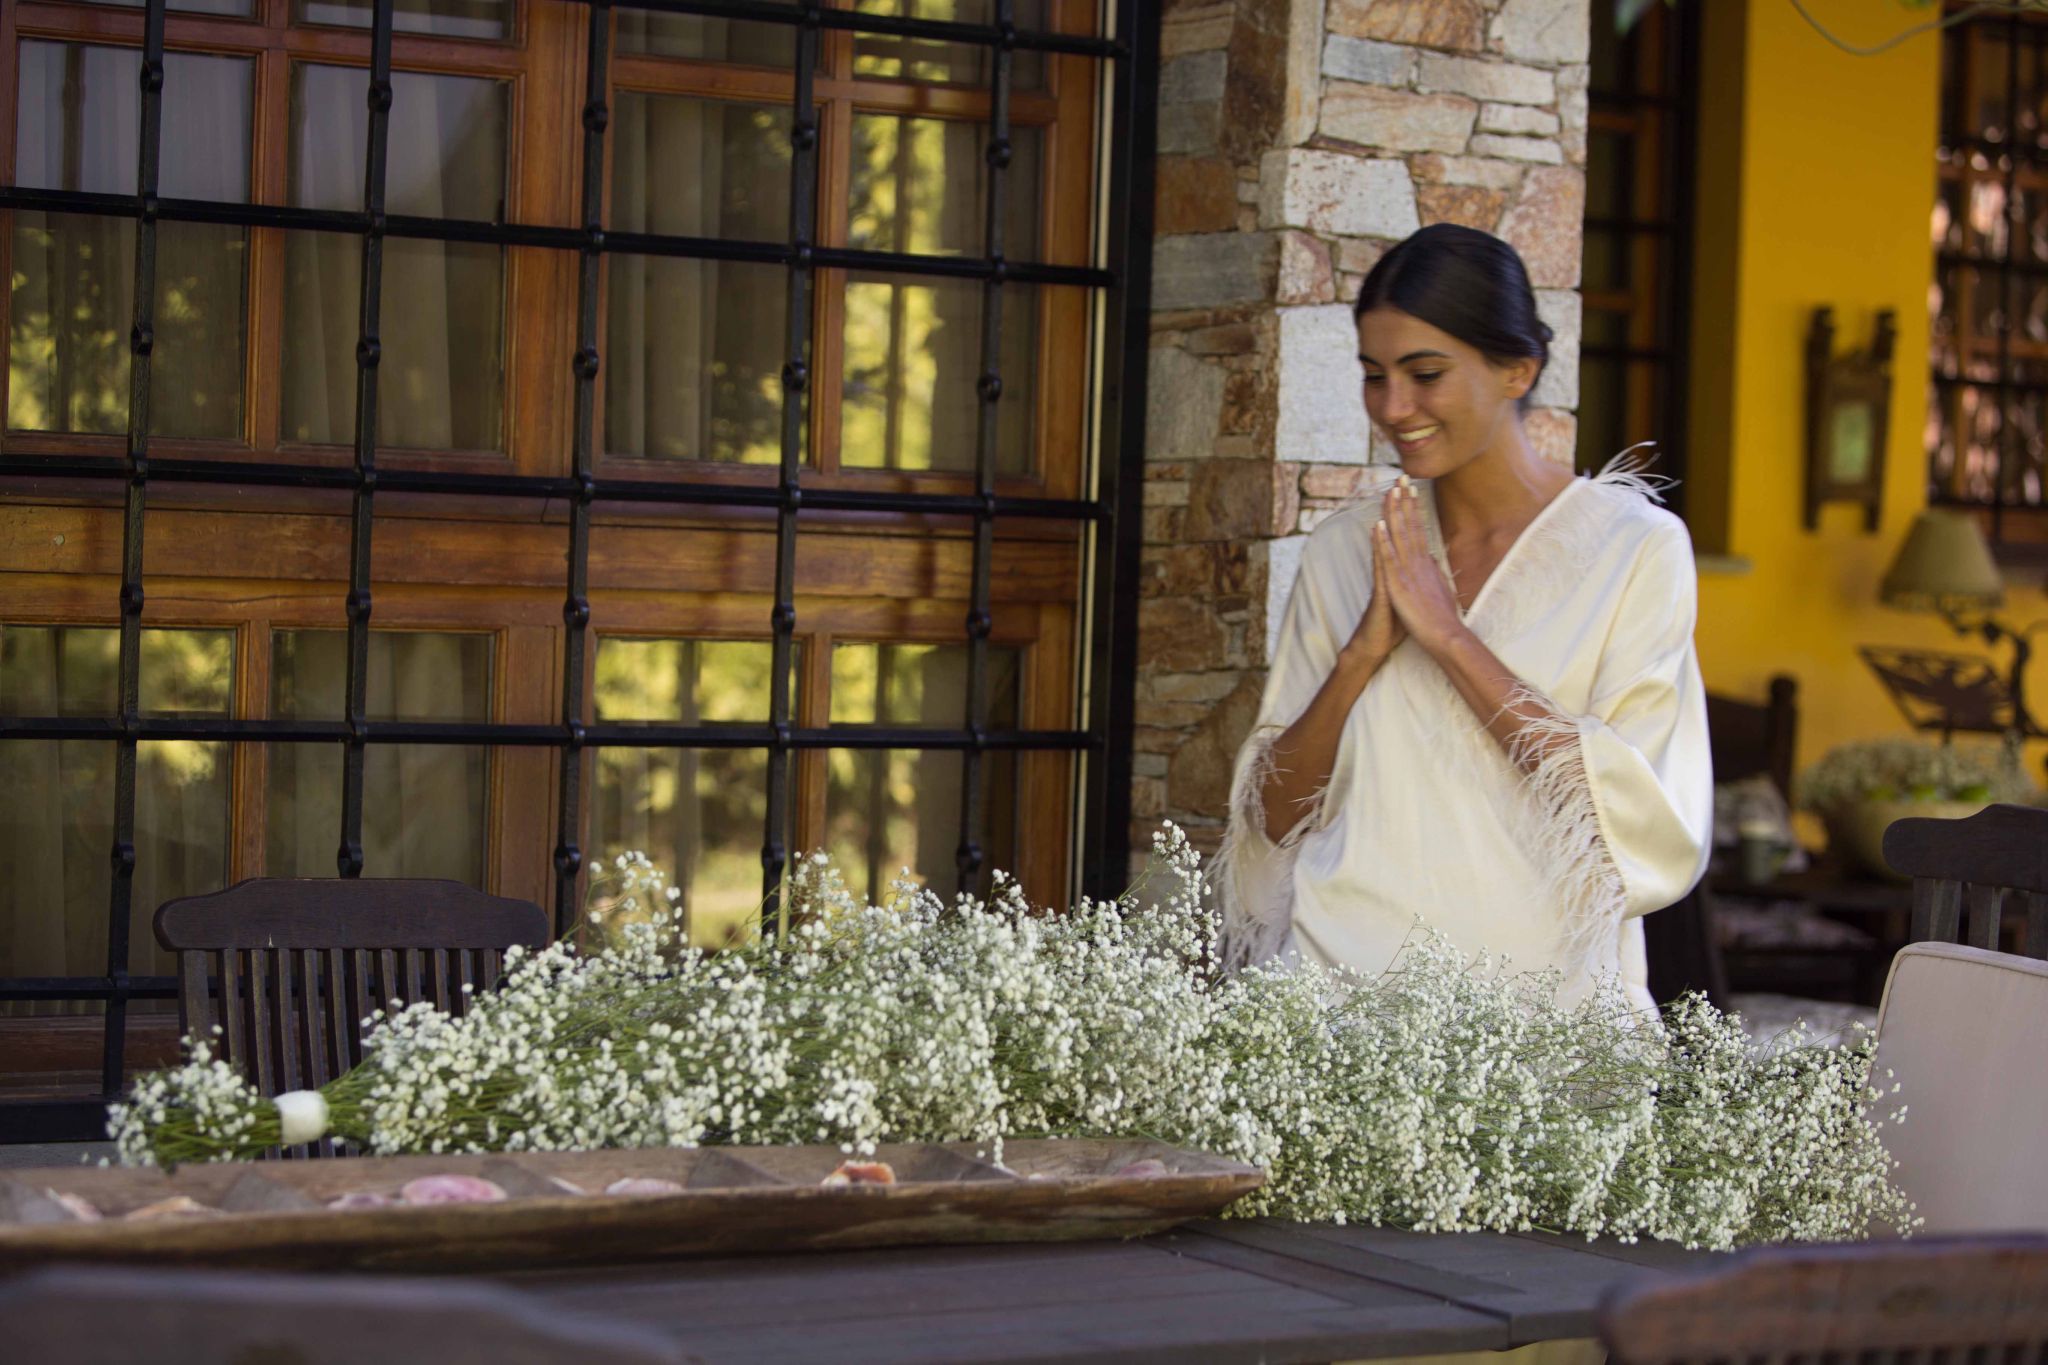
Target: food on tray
362, 1199
1150, 1166
860, 1173
80, 1209
451, 1189
643, 1184
177, 1206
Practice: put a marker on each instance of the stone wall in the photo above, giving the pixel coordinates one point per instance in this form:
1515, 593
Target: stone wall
1298, 139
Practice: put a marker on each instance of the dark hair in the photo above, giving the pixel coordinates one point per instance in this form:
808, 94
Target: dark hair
1465, 282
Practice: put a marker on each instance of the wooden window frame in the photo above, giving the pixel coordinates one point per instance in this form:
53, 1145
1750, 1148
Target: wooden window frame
541, 65
257, 558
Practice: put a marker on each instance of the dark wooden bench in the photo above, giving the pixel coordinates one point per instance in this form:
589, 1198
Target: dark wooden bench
287, 969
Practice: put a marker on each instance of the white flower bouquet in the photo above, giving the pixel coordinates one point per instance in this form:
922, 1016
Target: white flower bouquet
1445, 1094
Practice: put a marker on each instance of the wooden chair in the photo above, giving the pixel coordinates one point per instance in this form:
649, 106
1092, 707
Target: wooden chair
289, 968
1748, 740
1745, 740
1871, 1303
1993, 861
111, 1316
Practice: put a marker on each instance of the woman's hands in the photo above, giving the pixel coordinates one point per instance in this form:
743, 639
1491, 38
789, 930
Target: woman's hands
1380, 629
1405, 575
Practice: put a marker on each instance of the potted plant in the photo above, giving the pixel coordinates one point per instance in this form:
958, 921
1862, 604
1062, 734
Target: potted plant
1859, 788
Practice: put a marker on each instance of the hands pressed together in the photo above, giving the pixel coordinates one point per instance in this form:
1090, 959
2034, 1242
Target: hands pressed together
1410, 593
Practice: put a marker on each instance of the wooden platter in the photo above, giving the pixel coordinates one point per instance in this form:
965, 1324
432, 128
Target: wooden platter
274, 1214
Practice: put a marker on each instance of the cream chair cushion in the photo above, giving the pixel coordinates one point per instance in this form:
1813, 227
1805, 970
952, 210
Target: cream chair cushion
1964, 1033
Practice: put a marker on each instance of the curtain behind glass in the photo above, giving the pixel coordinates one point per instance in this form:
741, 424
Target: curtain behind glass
890, 809
57, 799
73, 282
423, 804
913, 344
698, 813
694, 349
441, 375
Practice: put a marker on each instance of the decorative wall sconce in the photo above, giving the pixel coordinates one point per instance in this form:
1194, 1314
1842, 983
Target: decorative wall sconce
1848, 402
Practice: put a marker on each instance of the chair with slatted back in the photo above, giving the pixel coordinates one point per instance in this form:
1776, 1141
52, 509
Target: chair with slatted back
1874, 1303
288, 968
1991, 862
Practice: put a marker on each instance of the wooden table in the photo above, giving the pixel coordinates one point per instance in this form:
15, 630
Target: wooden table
1215, 1291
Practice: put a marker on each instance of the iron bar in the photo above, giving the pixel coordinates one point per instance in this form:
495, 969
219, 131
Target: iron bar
988, 437
760, 495
286, 218
796, 376
856, 21
576, 604
348, 857
1116, 541
613, 734
2006, 284
141, 342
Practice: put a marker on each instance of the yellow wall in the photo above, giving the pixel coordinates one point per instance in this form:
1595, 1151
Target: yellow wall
1816, 181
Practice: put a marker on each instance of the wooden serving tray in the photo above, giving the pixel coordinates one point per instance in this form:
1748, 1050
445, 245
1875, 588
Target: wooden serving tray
273, 1214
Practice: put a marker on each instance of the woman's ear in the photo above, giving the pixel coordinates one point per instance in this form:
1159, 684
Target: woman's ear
1520, 374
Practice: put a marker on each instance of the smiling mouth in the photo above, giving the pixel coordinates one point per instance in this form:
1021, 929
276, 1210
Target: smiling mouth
1415, 437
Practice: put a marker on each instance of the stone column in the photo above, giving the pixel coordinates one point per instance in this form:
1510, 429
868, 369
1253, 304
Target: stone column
1298, 139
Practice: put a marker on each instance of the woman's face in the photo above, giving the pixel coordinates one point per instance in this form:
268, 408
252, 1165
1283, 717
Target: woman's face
1439, 401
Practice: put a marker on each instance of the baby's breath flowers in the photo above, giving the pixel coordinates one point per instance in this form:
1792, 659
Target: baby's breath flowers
1444, 1094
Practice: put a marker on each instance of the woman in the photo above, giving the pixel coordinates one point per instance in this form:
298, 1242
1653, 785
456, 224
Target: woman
1484, 713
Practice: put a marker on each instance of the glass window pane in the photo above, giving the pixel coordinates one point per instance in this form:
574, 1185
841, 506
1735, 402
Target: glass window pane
443, 18
643, 33
424, 812
889, 809
1606, 179
78, 124
688, 682
919, 59
913, 358
698, 813
694, 349
71, 294
1982, 432
1605, 259
441, 375
1603, 415
1993, 92
57, 796
921, 185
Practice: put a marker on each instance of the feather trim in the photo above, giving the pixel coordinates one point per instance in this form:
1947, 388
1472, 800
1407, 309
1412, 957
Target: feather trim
1631, 470
1561, 831
1254, 877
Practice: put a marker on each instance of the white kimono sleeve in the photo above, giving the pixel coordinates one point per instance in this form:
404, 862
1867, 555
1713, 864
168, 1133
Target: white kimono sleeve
1646, 740
1622, 813
1254, 877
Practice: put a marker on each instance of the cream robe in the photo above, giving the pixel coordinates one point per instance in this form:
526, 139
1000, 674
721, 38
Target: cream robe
1426, 821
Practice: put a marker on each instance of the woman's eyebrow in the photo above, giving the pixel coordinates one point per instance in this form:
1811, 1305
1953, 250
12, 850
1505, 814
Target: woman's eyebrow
1406, 359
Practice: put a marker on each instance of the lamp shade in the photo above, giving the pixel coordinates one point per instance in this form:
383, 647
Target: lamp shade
1944, 565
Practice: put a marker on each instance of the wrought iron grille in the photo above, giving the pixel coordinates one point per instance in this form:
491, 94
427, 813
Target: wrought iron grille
1109, 517
1987, 430
1643, 104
